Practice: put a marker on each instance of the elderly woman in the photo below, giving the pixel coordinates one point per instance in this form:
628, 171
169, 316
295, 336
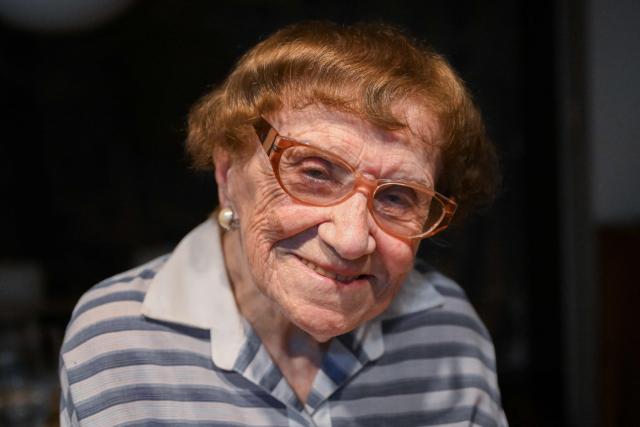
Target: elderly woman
335, 150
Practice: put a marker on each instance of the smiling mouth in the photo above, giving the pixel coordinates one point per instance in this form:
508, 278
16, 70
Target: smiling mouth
330, 274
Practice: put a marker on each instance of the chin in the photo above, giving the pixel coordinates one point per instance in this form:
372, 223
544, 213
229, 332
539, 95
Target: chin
323, 324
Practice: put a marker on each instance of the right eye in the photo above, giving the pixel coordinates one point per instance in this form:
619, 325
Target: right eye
312, 175
314, 168
310, 166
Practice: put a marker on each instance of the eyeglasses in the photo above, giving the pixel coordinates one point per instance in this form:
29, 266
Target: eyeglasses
316, 177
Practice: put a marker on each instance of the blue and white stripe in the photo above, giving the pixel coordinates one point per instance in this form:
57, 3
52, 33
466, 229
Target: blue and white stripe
145, 348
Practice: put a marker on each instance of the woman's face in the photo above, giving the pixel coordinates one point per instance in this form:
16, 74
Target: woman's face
328, 269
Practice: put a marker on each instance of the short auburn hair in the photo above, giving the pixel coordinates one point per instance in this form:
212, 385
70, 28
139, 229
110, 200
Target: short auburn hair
363, 69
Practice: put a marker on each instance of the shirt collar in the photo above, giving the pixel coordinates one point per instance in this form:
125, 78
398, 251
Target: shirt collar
192, 288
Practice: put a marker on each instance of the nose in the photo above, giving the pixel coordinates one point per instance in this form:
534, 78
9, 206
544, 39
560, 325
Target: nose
348, 231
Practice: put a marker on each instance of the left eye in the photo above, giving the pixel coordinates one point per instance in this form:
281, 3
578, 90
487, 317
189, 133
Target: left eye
397, 197
399, 202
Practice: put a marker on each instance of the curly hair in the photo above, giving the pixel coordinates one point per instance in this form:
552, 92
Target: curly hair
362, 69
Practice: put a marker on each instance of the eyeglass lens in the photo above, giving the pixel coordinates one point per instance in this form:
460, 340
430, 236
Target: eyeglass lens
312, 176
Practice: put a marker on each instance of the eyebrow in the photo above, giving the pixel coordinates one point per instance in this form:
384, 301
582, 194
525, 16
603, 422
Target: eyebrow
346, 156
263, 128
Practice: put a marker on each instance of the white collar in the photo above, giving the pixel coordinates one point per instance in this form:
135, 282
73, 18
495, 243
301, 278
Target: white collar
192, 288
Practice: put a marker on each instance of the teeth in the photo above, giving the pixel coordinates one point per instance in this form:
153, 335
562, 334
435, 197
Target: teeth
326, 273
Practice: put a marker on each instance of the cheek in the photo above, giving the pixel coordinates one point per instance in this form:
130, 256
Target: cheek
274, 222
398, 259
397, 256
267, 214
268, 223
256, 196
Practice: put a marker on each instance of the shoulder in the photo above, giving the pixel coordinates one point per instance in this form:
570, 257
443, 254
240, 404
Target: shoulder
110, 348
107, 321
110, 303
429, 298
443, 344
434, 310
105, 311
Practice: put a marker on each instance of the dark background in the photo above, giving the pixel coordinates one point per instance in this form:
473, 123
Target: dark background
94, 179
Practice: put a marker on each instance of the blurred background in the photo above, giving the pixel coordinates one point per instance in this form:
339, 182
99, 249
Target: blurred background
94, 180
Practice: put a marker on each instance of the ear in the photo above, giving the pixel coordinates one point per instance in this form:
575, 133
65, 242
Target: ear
222, 163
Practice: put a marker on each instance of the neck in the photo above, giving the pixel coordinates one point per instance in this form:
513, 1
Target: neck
294, 351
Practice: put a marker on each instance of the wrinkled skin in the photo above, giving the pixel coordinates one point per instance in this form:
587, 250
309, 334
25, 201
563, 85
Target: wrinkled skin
284, 257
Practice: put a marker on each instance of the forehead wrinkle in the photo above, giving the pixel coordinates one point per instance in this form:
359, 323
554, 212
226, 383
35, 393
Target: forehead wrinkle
425, 128
414, 159
350, 137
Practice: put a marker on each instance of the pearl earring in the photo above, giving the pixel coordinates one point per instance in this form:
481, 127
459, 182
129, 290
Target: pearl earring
227, 219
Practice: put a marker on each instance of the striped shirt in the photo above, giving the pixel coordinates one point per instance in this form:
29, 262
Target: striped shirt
164, 344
